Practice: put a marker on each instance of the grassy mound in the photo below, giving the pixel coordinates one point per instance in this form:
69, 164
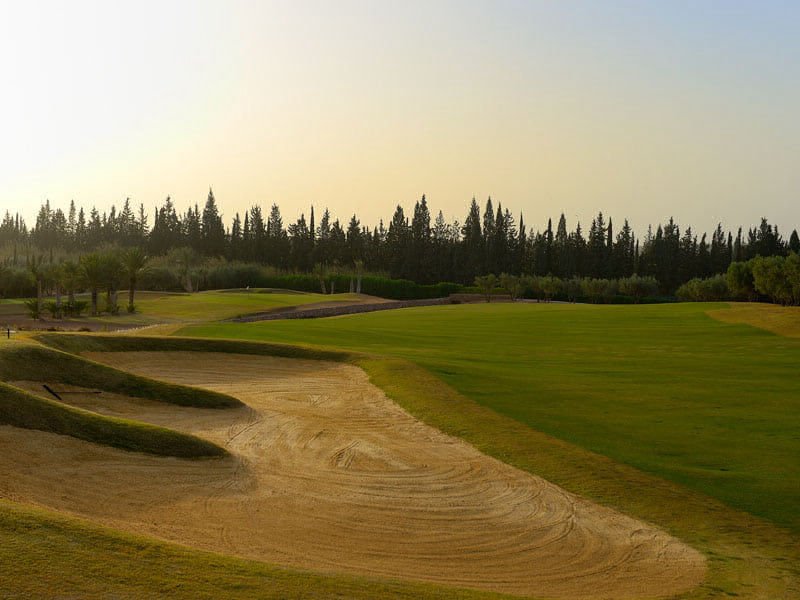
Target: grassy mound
75, 343
37, 363
21, 409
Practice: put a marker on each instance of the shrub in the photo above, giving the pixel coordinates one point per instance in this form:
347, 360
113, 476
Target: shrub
638, 287
791, 269
513, 285
550, 287
74, 308
610, 290
486, 284
704, 290
572, 288
222, 275
532, 287
160, 278
32, 305
16, 282
594, 289
51, 307
739, 278
770, 278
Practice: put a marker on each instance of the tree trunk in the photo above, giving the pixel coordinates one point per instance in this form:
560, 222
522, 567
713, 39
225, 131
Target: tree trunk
112, 296
131, 292
39, 297
352, 288
58, 301
322, 285
358, 284
94, 302
333, 282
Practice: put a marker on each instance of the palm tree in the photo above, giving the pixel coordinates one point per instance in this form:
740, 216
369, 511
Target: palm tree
71, 278
334, 271
37, 270
188, 262
93, 271
112, 280
55, 275
359, 263
320, 272
134, 263
3, 270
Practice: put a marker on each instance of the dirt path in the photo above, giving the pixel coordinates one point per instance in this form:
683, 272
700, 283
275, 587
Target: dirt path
328, 474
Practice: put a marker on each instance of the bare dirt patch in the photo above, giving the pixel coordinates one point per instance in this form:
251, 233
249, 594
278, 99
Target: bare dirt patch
326, 473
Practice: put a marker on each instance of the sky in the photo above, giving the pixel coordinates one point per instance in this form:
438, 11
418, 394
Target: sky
640, 109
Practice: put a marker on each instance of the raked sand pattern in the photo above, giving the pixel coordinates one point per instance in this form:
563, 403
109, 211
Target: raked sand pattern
326, 473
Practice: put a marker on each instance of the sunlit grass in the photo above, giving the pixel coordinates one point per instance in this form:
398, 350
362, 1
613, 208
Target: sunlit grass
783, 320
666, 389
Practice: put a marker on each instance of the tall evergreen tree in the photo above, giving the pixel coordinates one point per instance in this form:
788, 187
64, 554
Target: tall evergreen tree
213, 231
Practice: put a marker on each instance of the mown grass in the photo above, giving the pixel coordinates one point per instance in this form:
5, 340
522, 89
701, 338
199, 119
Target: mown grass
748, 557
667, 389
20, 360
22, 409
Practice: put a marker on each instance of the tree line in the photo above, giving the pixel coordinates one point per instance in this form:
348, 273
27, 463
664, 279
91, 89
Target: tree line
417, 247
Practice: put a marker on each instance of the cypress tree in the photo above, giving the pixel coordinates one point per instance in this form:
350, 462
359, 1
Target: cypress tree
794, 242
212, 230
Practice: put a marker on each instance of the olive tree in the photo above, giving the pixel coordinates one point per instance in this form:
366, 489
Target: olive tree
486, 284
638, 287
515, 286
740, 280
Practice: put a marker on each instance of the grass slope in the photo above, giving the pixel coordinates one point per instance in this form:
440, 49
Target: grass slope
37, 363
22, 409
713, 406
748, 556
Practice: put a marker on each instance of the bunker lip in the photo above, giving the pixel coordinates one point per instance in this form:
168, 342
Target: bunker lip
326, 473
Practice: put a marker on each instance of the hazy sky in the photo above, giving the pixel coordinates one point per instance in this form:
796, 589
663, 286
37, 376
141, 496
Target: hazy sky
640, 109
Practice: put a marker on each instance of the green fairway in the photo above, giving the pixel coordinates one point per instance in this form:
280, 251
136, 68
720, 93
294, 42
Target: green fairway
667, 389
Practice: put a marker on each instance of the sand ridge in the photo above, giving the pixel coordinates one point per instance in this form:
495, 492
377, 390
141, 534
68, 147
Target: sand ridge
328, 474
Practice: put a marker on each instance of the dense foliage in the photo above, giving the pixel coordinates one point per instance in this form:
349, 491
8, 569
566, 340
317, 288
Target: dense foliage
421, 249
773, 278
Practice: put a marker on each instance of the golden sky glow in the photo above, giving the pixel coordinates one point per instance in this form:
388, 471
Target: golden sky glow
638, 109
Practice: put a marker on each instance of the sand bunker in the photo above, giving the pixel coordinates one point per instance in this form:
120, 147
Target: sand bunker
326, 473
